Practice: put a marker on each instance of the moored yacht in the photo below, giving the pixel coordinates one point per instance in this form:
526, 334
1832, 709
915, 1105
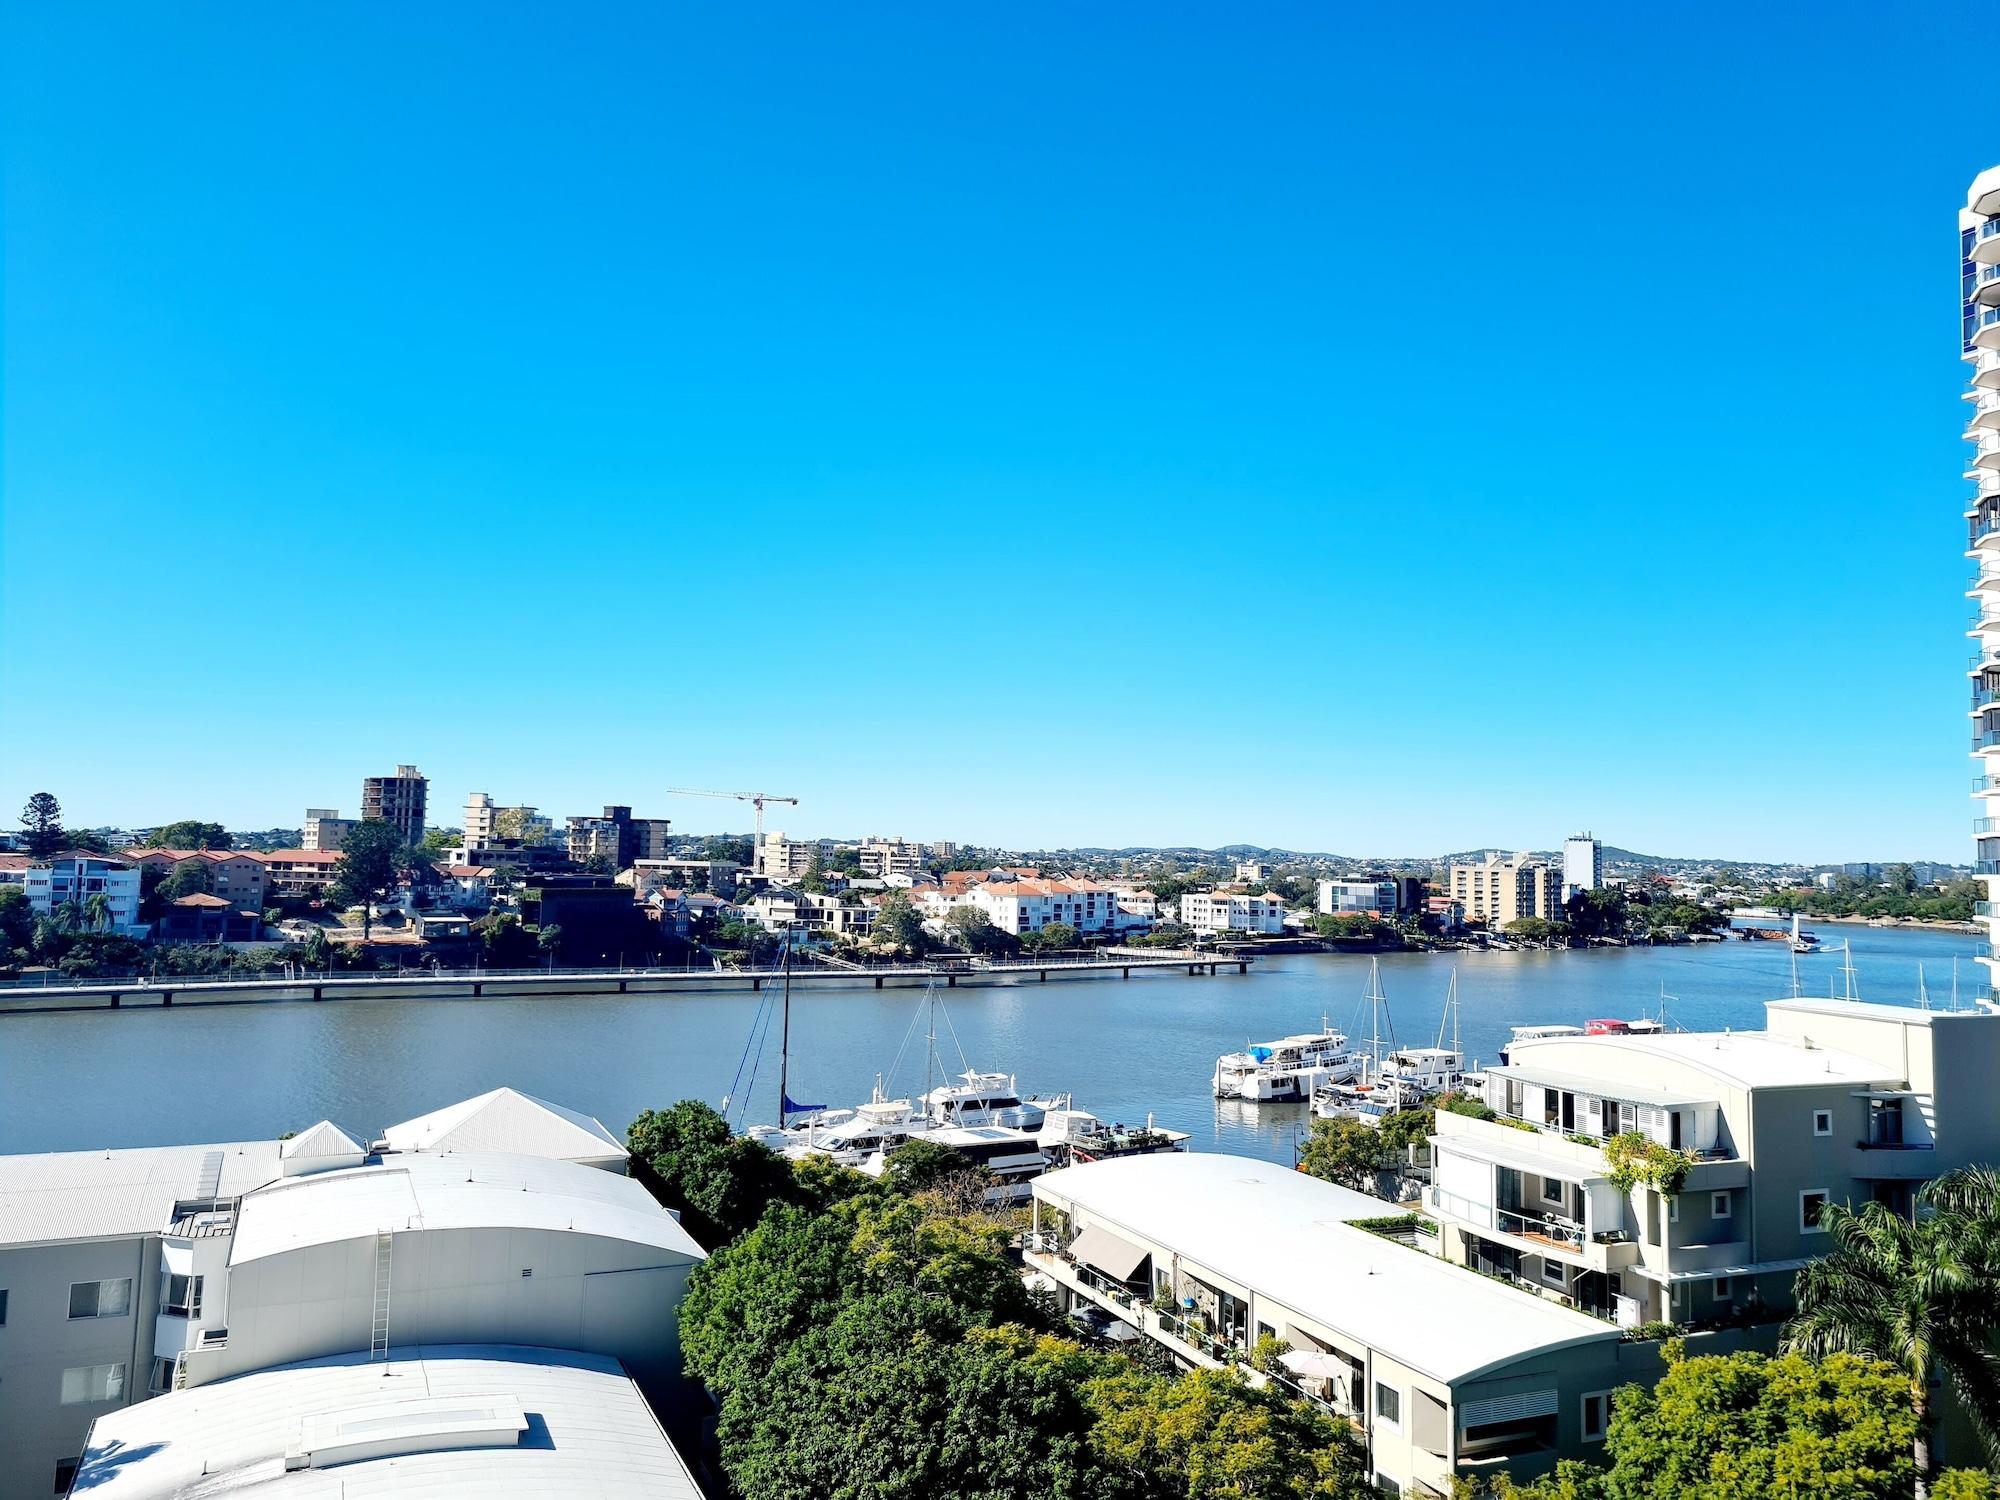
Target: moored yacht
1290, 1068
987, 1099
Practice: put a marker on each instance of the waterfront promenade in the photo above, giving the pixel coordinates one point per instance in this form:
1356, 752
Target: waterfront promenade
28, 997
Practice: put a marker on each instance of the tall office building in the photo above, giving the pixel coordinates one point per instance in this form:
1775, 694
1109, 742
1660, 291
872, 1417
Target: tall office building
1583, 864
1979, 347
397, 800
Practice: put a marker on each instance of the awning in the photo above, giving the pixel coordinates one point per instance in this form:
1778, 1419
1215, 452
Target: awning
1519, 1407
1117, 1258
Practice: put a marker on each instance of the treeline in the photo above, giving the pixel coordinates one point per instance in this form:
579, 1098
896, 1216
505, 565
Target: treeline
1954, 903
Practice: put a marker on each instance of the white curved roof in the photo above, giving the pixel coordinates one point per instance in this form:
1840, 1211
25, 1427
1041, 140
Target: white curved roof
508, 1120
595, 1436
1290, 1237
463, 1190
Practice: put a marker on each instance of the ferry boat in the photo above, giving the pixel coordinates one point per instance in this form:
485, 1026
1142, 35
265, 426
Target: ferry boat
1288, 1069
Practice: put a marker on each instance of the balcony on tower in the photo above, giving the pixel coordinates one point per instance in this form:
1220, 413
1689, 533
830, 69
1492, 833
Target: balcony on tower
1986, 329
1986, 243
1984, 195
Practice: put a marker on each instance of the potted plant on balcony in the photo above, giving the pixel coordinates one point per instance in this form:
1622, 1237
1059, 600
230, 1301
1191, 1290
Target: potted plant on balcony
1632, 1160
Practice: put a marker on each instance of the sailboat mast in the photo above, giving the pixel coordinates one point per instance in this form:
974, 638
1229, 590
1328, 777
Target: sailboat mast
785, 1039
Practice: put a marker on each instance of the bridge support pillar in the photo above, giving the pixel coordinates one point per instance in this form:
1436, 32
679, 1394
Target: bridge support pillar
1126, 972
878, 981
621, 987
317, 995
1244, 967
1045, 976
951, 981
756, 985
168, 998
114, 1002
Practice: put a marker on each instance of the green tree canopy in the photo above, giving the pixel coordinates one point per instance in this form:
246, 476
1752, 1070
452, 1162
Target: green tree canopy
188, 877
41, 825
899, 923
370, 856
1731, 1427
974, 931
190, 833
1344, 1151
720, 1181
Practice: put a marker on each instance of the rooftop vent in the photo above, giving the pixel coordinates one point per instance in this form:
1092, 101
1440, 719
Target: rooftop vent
391, 1429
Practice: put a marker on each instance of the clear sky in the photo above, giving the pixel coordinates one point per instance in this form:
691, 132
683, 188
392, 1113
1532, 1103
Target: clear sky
1382, 429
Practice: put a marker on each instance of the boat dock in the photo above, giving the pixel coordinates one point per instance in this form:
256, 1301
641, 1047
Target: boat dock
27, 997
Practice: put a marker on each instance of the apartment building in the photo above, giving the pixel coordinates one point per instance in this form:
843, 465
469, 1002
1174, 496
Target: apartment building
239, 877
1979, 347
79, 876
1583, 864
1366, 897
1024, 906
716, 876
882, 858
128, 1274
777, 858
1209, 912
487, 824
325, 829
618, 838
1498, 891
397, 800
1833, 1102
1449, 1375
1252, 871
299, 872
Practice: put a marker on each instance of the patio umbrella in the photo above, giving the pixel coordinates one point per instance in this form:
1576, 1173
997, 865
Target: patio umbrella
1313, 1365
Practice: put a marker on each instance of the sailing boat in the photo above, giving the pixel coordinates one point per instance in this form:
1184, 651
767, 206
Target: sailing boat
1398, 1080
1803, 942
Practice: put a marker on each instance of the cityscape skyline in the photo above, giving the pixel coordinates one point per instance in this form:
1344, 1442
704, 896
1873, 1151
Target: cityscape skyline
1166, 411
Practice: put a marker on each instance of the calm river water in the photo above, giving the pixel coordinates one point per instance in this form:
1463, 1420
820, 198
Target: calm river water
1123, 1047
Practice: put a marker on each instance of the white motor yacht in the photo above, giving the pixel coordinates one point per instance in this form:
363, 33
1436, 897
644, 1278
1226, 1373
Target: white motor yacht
1290, 1068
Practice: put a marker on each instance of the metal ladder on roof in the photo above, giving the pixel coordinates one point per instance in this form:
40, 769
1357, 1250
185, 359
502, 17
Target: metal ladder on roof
378, 1337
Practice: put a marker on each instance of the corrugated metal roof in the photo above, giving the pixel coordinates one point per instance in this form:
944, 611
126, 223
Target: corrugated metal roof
508, 1120
83, 1195
421, 1190
590, 1433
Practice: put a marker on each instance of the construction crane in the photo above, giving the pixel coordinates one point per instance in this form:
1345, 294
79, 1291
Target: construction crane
756, 799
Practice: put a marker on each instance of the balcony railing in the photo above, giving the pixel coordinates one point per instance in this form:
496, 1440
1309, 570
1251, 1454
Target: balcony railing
1546, 1226
1988, 229
1986, 867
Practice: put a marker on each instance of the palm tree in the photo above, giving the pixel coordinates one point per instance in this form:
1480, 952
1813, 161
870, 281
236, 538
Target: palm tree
97, 907
1918, 1293
68, 915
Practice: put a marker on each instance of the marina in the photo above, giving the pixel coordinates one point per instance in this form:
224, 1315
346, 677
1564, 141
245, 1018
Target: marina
95, 1078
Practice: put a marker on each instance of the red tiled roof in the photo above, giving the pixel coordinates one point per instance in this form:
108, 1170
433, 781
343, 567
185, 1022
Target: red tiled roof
200, 899
300, 856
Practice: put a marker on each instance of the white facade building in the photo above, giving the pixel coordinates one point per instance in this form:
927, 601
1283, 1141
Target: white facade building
1449, 1375
326, 829
1834, 1102
1979, 347
75, 875
1583, 865
1375, 898
125, 1274
1024, 906
1210, 912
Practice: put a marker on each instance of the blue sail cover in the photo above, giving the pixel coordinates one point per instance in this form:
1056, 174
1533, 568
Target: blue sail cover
1262, 1054
794, 1108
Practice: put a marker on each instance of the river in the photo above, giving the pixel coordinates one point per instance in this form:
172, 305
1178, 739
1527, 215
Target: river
97, 1079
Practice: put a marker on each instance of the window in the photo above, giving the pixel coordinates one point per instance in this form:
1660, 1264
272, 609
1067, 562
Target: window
1673, 1210
3, 1307
180, 1296
66, 1474
162, 1379
100, 1299
1388, 1403
1553, 1273
1552, 1191
89, 1385
1719, 1205
1812, 1204
1822, 1122
1721, 1290
1388, 1486
1596, 1416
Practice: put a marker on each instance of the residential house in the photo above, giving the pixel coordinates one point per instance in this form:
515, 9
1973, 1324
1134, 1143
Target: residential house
200, 918
300, 872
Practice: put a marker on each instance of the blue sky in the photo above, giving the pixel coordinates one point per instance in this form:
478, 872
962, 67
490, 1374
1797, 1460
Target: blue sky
1385, 430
